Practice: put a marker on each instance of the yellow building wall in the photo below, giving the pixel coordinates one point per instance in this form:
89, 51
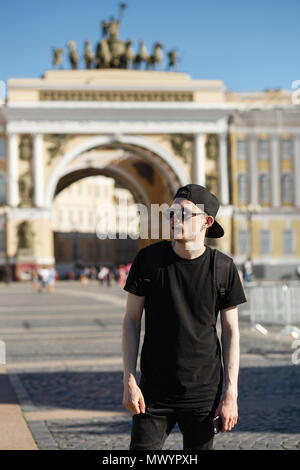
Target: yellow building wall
295, 224
44, 245
43, 237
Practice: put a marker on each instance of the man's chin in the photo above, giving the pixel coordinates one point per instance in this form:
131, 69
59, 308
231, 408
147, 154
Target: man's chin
177, 235
182, 238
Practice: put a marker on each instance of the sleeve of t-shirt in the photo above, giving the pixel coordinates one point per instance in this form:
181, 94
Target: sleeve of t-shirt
135, 282
235, 294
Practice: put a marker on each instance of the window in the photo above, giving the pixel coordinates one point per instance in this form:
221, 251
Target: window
264, 188
243, 242
286, 148
241, 149
288, 241
2, 148
287, 187
265, 241
263, 149
243, 188
2, 188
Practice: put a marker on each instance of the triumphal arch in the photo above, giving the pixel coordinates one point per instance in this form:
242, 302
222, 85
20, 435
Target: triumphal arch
149, 130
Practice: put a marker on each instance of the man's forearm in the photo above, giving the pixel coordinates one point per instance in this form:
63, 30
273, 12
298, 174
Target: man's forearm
231, 359
130, 345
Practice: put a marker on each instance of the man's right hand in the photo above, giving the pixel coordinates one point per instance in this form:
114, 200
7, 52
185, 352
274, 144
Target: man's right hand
133, 398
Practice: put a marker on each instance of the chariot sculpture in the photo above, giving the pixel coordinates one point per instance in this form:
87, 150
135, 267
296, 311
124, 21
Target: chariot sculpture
112, 52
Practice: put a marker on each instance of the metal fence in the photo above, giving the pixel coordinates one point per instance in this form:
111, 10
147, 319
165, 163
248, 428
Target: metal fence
277, 304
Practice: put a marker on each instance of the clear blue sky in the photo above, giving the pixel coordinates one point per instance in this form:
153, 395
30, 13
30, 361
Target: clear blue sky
250, 45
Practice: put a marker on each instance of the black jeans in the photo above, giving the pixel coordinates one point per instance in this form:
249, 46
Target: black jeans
150, 429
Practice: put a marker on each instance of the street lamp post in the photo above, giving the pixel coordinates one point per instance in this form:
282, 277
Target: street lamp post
249, 211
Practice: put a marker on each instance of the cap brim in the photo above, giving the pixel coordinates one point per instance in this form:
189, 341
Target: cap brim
215, 231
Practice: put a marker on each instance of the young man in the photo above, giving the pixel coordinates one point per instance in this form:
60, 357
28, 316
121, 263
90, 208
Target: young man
181, 370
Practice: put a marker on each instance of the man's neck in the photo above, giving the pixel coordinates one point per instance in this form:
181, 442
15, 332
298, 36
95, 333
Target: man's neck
188, 250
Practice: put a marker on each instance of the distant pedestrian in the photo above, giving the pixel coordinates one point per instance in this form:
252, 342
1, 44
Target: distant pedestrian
102, 274
122, 275
93, 273
108, 277
248, 270
298, 271
43, 278
35, 281
116, 274
51, 280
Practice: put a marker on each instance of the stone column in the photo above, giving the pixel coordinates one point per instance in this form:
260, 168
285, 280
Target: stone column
198, 169
13, 171
275, 171
296, 156
38, 170
223, 166
253, 169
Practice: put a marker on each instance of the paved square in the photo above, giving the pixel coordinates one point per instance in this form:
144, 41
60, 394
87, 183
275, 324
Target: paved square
65, 363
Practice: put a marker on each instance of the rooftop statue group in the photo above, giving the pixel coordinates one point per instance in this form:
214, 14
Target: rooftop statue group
112, 52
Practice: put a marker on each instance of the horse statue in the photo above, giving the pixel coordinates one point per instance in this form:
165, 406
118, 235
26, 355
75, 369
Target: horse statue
73, 55
156, 57
128, 58
103, 54
57, 53
89, 56
173, 59
142, 56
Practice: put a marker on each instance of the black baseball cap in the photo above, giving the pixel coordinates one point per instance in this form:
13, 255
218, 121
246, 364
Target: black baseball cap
201, 195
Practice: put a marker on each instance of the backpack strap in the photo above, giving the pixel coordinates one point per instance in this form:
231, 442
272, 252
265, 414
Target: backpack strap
221, 267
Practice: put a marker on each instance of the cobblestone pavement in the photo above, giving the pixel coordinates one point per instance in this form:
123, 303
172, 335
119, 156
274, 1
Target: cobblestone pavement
64, 361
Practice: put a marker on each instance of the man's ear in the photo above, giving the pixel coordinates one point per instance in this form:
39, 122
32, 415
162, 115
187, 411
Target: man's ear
209, 220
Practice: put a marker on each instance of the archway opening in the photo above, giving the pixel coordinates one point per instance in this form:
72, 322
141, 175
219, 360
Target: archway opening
141, 176
95, 224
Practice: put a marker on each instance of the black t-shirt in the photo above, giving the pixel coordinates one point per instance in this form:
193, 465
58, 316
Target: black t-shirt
181, 354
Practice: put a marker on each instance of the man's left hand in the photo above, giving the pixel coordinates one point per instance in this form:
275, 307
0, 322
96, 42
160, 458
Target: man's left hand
228, 410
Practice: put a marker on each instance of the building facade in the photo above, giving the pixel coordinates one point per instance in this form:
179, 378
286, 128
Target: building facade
151, 132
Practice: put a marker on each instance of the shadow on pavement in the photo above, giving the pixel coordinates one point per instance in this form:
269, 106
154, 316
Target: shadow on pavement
268, 396
7, 393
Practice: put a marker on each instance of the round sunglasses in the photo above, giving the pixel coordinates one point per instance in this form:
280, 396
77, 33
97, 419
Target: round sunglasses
181, 214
